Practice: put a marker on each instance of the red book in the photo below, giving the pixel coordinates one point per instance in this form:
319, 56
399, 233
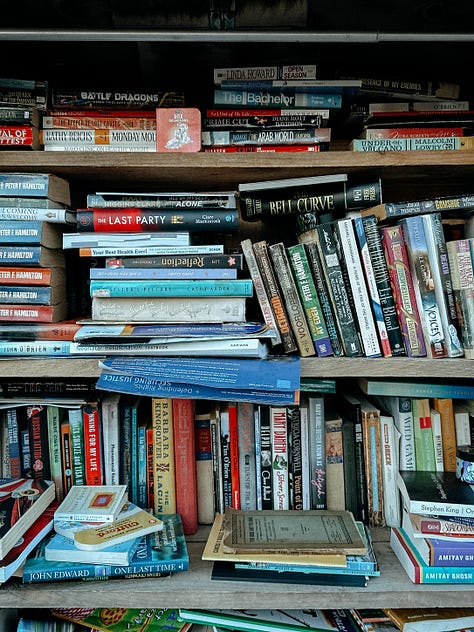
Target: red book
234, 454
234, 149
19, 135
151, 114
98, 122
178, 130
33, 313
185, 463
38, 432
15, 275
92, 448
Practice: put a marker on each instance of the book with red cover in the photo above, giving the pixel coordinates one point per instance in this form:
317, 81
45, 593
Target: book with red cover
92, 446
185, 463
234, 454
178, 130
37, 423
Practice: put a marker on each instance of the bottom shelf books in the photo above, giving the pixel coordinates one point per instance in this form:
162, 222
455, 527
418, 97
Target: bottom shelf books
159, 553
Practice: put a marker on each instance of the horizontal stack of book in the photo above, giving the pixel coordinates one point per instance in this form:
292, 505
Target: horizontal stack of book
272, 109
22, 103
320, 557
34, 211
395, 115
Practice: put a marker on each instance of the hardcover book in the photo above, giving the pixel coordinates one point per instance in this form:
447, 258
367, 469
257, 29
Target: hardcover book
92, 503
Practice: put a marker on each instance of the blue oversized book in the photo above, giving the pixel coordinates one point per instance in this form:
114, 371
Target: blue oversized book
35, 185
159, 553
62, 549
421, 573
30, 232
172, 287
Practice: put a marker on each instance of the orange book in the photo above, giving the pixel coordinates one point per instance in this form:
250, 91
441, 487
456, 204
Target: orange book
178, 130
448, 431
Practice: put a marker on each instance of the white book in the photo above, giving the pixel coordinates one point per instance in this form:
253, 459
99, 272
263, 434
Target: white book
402, 412
110, 437
305, 463
146, 251
390, 445
92, 503
437, 439
279, 435
130, 240
462, 424
115, 148
363, 309
100, 137
204, 473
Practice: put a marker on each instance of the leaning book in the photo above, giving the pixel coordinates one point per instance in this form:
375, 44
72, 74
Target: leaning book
435, 493
22, 501
285, 530
92, 503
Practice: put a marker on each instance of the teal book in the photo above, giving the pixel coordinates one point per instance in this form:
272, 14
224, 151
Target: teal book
172, 287
418, 571
62, 549
416, 388
159, 553
267, 99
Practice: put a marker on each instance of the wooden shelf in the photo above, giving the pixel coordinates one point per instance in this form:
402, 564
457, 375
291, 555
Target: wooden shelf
194, 589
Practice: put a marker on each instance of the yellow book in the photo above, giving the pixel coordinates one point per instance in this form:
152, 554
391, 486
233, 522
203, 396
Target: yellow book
163, 456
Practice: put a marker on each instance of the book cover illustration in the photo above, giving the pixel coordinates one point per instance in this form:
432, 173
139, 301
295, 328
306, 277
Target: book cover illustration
92, 503
178, 129
131, 619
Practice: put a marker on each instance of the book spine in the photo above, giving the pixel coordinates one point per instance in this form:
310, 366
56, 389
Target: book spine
282, 72
348, 244
38, 441
172, 288
150, 469
66, 456
86, 137
437, 439
274, 294
234, 149
323, 294
264, 122
382, 282
149, 251
389, 438
185, 468
164, 471
444, 405
247, 455
443, 284
77, 98
334, 454
146, 220
54, 439
293, 304
373, 467
263, 99
257, 441
337, 290
41, 295
226, 471
57, 121
155, 201
295, 457
92, 444
309, 299
62, 331
110, 437
461, 267
421, 271
424, 443
350, 468
317, 455
17, 134
18, 116
418, 143
14, 448
417, 207
142, 497
204, 473
233, 262
217, 463
288, 136
133, 485
279, 437
125, 434
77, 446
33, 214
260, 290
266, 470
403, 291
234, 432
407, 132
45, 348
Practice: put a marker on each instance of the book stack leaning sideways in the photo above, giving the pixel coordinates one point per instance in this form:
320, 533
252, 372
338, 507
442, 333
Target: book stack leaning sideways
27, 507
435, 543
99, 534
113, 120
272, 109
334, 551
163, 270
22, 103
34, 211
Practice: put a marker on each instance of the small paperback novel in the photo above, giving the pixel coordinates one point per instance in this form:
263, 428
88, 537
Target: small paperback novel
92, 503
292, 530
131, 619
22, 501
178, 130
435, 493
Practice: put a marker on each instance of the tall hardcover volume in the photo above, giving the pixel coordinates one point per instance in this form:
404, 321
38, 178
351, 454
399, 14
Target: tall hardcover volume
403, 290
292, 300
185, 470
462, 273
92, 503
163, 445
423, 284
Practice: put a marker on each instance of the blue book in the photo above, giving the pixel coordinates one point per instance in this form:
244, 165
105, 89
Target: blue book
141, 457
421, 573
158, 388
62, 549
31, 256
30, 232
266, 98
346, 87
33, 185
172, 287
278, 373
32, 294
127, 274
415, 387
159, 553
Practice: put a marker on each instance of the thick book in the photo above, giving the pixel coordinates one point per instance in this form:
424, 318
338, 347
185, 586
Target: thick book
37, 232
280, 457
35, 185
247, 454
234, 121
293, 196
164, 484
32, 294
401, 409
431, 619
170, 288
462, 275
423, 434
204, 465
415, 143
289, 136
19, 115
185, 454
141, 121
435, 493
31, 256
63, 549
443, 204
143, 619
148, 220
34, 275
418, 571
159, 553
23, 501
444, 406
92, 503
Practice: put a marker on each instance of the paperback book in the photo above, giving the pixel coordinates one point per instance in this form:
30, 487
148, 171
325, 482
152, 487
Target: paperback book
92, 503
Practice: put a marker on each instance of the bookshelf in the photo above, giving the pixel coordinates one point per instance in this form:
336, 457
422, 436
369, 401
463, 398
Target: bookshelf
417, 173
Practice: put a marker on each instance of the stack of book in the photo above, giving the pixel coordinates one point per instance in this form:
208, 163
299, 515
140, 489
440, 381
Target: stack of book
22, 102
33, 215
411, 115
115, 120
435, 542
98, 534
320, 557
272, 108
27, 507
